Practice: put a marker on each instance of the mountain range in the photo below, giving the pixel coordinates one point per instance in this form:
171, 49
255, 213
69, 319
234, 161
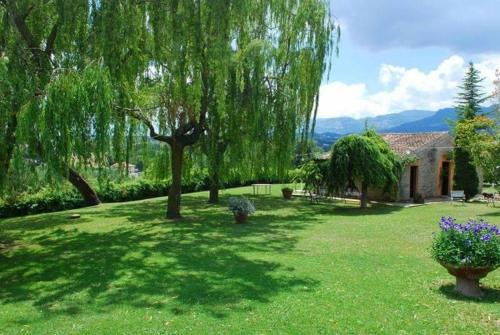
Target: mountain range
328, 130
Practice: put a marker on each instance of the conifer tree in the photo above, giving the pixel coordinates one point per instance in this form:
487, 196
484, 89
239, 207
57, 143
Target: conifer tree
470, 97
469, 102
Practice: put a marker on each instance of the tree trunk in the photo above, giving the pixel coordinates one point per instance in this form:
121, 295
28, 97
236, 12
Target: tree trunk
9, 144
364, 195
213, 198
175, 191
87, 192
5, 157
215, 173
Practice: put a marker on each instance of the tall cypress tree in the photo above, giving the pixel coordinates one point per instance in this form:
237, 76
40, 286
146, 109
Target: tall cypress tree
469, 101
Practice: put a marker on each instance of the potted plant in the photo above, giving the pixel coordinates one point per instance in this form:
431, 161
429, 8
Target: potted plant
287, 192
468, 251
418, 198
241, 208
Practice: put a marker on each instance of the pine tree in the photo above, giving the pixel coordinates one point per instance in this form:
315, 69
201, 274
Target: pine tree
470, 97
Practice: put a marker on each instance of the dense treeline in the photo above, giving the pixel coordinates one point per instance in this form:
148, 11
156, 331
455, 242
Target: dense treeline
219, 88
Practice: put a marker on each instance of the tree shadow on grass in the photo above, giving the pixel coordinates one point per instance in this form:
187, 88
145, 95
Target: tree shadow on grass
494, 213
32, 224
492, 295
146, 262
326, 206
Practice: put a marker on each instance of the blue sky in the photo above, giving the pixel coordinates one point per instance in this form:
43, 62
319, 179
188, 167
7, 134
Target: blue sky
404, 54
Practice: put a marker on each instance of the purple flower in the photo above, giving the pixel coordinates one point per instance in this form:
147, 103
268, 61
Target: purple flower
447, 223
486, 237
477, 227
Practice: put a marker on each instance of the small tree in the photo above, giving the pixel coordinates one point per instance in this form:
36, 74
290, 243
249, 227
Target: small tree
479, 137
366, 159
314, 175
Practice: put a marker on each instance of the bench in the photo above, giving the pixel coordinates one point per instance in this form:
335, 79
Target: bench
457, 196
257, 187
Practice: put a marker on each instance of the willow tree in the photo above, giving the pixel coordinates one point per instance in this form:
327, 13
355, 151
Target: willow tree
71, 127
273, 93
119, 37
180, 84
195, 45
366, 160
40, 38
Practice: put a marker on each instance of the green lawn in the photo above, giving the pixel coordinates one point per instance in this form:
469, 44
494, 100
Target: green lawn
296, 268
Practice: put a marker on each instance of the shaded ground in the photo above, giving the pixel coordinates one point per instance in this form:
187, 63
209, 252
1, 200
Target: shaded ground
296, 268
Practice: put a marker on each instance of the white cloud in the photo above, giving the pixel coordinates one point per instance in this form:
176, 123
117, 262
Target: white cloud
389, 73
405, 88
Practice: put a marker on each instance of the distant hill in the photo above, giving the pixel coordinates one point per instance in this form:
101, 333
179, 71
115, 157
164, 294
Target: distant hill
440, 121
412, 121
325, 140
347, 125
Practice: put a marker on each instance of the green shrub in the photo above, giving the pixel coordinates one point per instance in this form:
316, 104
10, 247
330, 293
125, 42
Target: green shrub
44, 201
466, 178
49, 200
241, 205
132, 190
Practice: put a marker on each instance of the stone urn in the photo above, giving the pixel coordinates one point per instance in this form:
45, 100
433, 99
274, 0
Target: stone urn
287, 193
468, 279
240, 217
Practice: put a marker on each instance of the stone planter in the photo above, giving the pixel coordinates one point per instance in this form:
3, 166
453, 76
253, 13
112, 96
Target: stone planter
287, 193
468, 279
240, 217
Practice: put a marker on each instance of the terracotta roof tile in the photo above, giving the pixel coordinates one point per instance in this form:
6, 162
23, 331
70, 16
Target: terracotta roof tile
407, 143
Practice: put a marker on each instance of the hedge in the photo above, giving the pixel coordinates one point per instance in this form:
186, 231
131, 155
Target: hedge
53, 200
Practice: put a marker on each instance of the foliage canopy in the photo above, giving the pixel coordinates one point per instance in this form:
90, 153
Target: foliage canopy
364, 159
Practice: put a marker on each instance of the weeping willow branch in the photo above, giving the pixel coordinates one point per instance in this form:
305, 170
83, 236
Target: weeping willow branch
138, 114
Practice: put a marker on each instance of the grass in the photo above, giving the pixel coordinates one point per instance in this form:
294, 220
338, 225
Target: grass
296, 268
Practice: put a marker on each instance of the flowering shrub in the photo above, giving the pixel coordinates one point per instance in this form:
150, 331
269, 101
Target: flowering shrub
473, 244
241, 205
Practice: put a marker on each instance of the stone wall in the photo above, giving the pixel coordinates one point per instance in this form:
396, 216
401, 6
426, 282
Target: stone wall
429, 162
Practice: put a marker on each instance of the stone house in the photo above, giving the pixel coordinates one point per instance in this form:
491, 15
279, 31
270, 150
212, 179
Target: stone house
431, 171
